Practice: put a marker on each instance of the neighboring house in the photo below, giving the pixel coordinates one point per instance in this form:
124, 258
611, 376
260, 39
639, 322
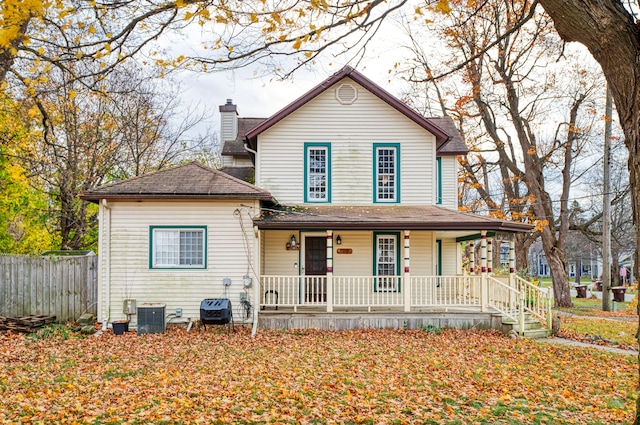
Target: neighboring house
586, 261
353, 213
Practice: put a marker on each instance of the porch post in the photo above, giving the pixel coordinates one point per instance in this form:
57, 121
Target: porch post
407, 272
329, 271
484, 293
472, 257
512, 263
489, 256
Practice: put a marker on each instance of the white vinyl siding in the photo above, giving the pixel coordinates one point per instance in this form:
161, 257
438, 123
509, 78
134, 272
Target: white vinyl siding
450, 266
236, 161
352, 131
449, 185
126, 274
422, 253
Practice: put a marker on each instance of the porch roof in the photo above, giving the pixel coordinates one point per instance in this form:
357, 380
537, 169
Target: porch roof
384, 218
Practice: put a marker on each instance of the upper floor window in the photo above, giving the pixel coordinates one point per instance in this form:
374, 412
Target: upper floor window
386, 173
317, 172
177, 247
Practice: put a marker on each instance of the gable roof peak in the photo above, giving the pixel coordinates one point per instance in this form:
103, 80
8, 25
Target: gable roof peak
442, 137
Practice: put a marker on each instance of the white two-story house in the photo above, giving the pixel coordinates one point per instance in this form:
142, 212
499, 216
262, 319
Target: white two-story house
338, 211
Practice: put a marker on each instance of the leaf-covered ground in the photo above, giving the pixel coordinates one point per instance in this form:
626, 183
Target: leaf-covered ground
309, 377
600, 330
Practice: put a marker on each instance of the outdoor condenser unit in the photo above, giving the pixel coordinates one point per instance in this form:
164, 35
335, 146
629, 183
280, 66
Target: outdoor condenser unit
151, 318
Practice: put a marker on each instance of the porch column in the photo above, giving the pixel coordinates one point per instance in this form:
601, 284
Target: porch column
512, 263
407, 272
489, 256
329, 271
472, 257
484, 292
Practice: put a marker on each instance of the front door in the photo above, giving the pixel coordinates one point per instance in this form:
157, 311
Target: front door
315, 268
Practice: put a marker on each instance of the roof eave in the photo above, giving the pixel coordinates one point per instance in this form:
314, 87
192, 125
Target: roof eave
504, 227
174, 196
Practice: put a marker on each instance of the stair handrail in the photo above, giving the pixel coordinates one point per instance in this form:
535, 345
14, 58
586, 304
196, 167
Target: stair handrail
535, 300
508, 305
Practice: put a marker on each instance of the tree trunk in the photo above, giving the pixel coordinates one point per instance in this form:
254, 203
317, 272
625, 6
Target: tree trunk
610, 33
523, 243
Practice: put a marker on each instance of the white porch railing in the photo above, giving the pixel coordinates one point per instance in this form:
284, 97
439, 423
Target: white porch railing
504, 298
367, 291
370, 291
535, 300
445, 291
512, 297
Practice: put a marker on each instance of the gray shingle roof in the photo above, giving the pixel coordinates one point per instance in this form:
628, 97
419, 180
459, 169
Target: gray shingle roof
454, 145
236, 147
384, 218
188, 181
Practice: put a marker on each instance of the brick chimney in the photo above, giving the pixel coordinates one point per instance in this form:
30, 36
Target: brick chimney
228, 121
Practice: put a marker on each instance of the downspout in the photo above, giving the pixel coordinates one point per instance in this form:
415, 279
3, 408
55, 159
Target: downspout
248, 149
257, 273
106, 233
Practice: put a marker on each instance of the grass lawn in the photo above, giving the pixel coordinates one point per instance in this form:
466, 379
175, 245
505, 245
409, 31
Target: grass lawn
620, 333
593, 307
311, 377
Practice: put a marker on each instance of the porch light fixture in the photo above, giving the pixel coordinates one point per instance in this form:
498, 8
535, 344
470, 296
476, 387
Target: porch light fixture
339, 240
292, 244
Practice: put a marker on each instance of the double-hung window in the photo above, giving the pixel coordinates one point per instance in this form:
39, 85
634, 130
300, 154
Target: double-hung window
317, 165
178, 247
387, 265
386, 173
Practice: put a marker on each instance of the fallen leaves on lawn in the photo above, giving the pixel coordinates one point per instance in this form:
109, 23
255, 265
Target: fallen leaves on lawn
308, 376
615, 333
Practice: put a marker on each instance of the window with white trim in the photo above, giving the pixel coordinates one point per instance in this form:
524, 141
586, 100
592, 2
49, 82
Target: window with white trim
178, 247
317, 173
386, 173
387, 263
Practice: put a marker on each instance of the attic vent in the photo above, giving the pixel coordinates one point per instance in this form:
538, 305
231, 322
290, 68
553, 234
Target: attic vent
346, 94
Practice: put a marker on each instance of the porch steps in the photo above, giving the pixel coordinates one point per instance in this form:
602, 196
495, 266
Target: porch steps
532, 328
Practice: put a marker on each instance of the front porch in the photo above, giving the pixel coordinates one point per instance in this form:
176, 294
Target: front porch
344, 267
350, 302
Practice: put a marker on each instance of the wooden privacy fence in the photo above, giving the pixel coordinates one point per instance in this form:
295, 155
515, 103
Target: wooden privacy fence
64, 286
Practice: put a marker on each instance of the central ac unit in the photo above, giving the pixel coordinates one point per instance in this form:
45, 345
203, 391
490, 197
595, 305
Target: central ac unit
151, 318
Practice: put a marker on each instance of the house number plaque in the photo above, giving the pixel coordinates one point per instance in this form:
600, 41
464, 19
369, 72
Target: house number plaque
345, 251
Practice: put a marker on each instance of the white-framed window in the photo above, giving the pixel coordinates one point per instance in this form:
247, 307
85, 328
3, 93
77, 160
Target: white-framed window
386, 262
178, 247
386, 171
317, 172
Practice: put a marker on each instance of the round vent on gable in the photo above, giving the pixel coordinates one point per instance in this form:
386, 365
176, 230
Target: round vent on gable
346, 94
